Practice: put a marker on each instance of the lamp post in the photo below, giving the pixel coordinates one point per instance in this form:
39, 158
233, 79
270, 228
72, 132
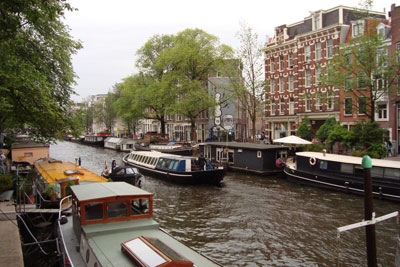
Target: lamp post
368, 210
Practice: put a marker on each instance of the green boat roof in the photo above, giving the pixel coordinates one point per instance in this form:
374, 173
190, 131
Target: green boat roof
90, 191
105, 240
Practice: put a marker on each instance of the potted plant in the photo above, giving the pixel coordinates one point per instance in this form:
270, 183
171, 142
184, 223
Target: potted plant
51, 192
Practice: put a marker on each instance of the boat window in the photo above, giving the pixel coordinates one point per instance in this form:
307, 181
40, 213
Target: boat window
164, 163
116, 209
176, 165
358, 170
131, 171
148, 160
171, 165
377, 172
159, 163
323, 164
392, 173
121, 172
94, 211
141, 157
153, 161
139, 206
346, 168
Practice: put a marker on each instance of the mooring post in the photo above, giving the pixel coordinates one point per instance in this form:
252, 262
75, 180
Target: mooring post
368, 210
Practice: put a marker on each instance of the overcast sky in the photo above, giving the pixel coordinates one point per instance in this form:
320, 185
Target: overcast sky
112, 31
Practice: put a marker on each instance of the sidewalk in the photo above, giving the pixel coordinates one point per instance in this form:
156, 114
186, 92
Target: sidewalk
10, 241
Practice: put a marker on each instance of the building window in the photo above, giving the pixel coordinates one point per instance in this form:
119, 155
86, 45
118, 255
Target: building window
317, 22
357, 28
362, 80
291, 106
318, 105
380, 84
348, 106
330, 102
282, 107
272, 109
318, 53
398, 51
308, 78
307, 53
329, 48
308, 104
272, 65
281, 63
272, 86
281, 84
362, 105
382, 112
290, 61
318, 75
348, 82
291, 83
381, 59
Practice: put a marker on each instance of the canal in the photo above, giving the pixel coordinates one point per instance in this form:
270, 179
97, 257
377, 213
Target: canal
258, 221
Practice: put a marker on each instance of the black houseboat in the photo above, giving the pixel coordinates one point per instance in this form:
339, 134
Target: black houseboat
247, 157
345, 173
175, 168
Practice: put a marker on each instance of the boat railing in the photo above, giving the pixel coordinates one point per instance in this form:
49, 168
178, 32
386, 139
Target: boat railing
67, 258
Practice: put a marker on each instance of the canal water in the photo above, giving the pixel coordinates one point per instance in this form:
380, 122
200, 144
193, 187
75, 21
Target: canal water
258, 221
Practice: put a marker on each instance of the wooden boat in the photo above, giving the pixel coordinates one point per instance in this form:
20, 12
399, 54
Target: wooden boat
176, 149
344, 173
175, 168
58, 175
112, 225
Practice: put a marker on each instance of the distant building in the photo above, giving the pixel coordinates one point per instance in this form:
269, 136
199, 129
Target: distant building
295, 57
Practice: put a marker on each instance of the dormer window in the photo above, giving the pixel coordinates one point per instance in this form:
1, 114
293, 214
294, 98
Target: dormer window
317, 21
357, 28
381, 30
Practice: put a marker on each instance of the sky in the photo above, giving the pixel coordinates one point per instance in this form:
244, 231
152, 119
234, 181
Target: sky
112, 31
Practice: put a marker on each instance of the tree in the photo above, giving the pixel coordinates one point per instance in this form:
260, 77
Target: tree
36, 73
364, 70
128, 105
324, 130
365, 134
105, 112
154, 87
248, 77
304, 130
339, 134
194, 55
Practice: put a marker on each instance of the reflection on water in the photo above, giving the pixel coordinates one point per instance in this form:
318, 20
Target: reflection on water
257, 221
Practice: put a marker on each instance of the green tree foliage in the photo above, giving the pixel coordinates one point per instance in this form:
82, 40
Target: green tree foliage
340, 135
366, 134
364, 69
324, 130
35, 67
105, 112
304, 130
194, 56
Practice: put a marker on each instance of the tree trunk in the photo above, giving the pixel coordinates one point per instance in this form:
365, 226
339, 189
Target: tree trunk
162, 121
254, 128
193, 136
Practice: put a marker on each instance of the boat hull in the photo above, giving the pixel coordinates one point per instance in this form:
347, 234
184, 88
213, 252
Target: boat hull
213, 177
382, 188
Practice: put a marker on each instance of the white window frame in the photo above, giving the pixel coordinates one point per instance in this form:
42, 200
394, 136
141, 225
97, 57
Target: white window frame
357, 28
378, 113
291, 107
281, 85
318, 51
308, 103
307, 78
358, 105
290, 60
318, 105
272, 65
318, 74
281, 107
344, 108
272, 85
291, 83
329, 48
307, 53
272, 109
281, 63
330, 103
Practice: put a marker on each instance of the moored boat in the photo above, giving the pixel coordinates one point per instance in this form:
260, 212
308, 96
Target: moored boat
170, 148
59, 175
128, 174
175, 168
112, 225
344, 173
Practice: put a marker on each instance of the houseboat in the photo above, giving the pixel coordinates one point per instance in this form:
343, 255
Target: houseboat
112, 143
246, 157
29, 151
128, 174
112, 225
170, 148
127, 144
175, 168
344, 173
58, 175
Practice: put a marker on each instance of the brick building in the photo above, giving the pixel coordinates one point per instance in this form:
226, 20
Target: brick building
295, 57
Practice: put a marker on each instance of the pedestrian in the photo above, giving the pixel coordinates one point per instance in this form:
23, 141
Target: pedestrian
389, 148
3, 164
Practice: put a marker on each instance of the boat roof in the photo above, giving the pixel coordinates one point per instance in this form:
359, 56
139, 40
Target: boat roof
103, 190
113, 140
28, 144
350, 159
244, 145
105, 239
158, 154
54, 170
